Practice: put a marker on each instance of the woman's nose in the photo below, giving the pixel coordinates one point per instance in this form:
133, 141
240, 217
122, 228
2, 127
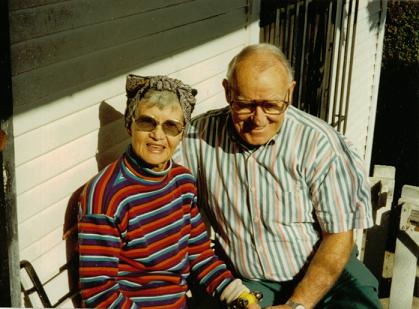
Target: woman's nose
158, 133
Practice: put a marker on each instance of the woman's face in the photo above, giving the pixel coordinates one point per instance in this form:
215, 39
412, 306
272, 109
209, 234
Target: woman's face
152, 144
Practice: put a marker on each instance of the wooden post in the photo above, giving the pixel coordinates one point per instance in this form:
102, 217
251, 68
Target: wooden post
407, 249
9, 251
373, 241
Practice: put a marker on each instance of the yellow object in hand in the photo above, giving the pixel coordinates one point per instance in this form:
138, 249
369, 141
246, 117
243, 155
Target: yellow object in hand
249, 297
245, 299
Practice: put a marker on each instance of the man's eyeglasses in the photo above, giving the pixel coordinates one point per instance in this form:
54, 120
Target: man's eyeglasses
246, 107
149, 124
270, 107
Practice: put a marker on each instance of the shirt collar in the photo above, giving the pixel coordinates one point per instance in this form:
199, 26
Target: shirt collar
139, 168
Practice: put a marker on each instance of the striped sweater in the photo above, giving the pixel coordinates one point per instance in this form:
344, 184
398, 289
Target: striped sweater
141, 236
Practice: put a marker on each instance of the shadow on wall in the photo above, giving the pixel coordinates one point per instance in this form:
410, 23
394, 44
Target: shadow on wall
373, 8
112, 141
62, 49
112, 137
70, 237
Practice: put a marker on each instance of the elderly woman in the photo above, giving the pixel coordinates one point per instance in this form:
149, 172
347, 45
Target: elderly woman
140, 231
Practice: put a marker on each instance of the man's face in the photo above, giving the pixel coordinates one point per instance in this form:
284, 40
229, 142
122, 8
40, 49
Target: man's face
266, 90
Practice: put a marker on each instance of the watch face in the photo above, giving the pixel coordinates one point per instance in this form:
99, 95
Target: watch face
299, 307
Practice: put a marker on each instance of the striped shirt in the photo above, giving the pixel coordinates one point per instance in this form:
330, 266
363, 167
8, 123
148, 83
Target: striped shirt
140, 237
268, 205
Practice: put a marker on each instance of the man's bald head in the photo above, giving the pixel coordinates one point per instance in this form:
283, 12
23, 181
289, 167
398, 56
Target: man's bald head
260, 57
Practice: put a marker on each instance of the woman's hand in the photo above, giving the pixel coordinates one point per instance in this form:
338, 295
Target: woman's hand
254, 306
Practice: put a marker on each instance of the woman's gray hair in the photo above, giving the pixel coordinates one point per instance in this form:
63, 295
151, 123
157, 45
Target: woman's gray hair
137, 86
261, 47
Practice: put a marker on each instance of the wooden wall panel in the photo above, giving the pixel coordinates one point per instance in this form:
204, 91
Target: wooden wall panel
108, 128
83, 41
53, 191
43, 245
216, 101
40, 116
28, 4
49, 263
41, 224
36, 21
54, 134
75, 72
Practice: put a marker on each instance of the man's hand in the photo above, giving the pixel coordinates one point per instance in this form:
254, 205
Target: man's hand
324, 269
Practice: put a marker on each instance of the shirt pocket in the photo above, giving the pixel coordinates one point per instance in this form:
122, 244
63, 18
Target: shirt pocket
293, 207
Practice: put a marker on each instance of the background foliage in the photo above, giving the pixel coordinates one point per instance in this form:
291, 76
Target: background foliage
401, 41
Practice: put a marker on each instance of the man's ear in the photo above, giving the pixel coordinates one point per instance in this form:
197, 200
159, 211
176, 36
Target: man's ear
226, 86
291, 91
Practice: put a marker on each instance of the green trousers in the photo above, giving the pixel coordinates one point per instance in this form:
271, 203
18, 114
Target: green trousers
356, 288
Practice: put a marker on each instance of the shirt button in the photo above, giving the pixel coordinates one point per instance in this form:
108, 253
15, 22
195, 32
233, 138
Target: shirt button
252, 189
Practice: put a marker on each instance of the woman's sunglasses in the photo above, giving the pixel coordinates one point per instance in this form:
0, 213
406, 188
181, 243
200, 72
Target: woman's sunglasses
149, 124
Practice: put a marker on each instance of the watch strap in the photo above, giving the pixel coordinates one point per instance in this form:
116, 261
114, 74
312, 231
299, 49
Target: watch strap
294, 305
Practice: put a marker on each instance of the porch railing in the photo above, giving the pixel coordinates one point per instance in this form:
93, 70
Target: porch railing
317, 36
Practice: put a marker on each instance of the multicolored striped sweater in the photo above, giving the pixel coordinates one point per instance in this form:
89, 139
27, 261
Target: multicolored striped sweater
141, 236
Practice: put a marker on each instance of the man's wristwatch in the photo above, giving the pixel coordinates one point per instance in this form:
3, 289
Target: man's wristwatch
294, 305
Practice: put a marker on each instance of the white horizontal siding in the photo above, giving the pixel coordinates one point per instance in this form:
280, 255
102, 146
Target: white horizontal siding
216, 101
53, 191
40, 116
64, 153
56, 287
50, 263
69, 62
44, 244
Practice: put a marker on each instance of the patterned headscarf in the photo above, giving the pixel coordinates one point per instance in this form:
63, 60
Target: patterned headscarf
137, 86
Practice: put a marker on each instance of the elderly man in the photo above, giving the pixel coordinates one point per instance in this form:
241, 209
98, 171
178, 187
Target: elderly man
282, 190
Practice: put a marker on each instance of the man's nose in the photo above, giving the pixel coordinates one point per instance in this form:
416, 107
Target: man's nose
259, 116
